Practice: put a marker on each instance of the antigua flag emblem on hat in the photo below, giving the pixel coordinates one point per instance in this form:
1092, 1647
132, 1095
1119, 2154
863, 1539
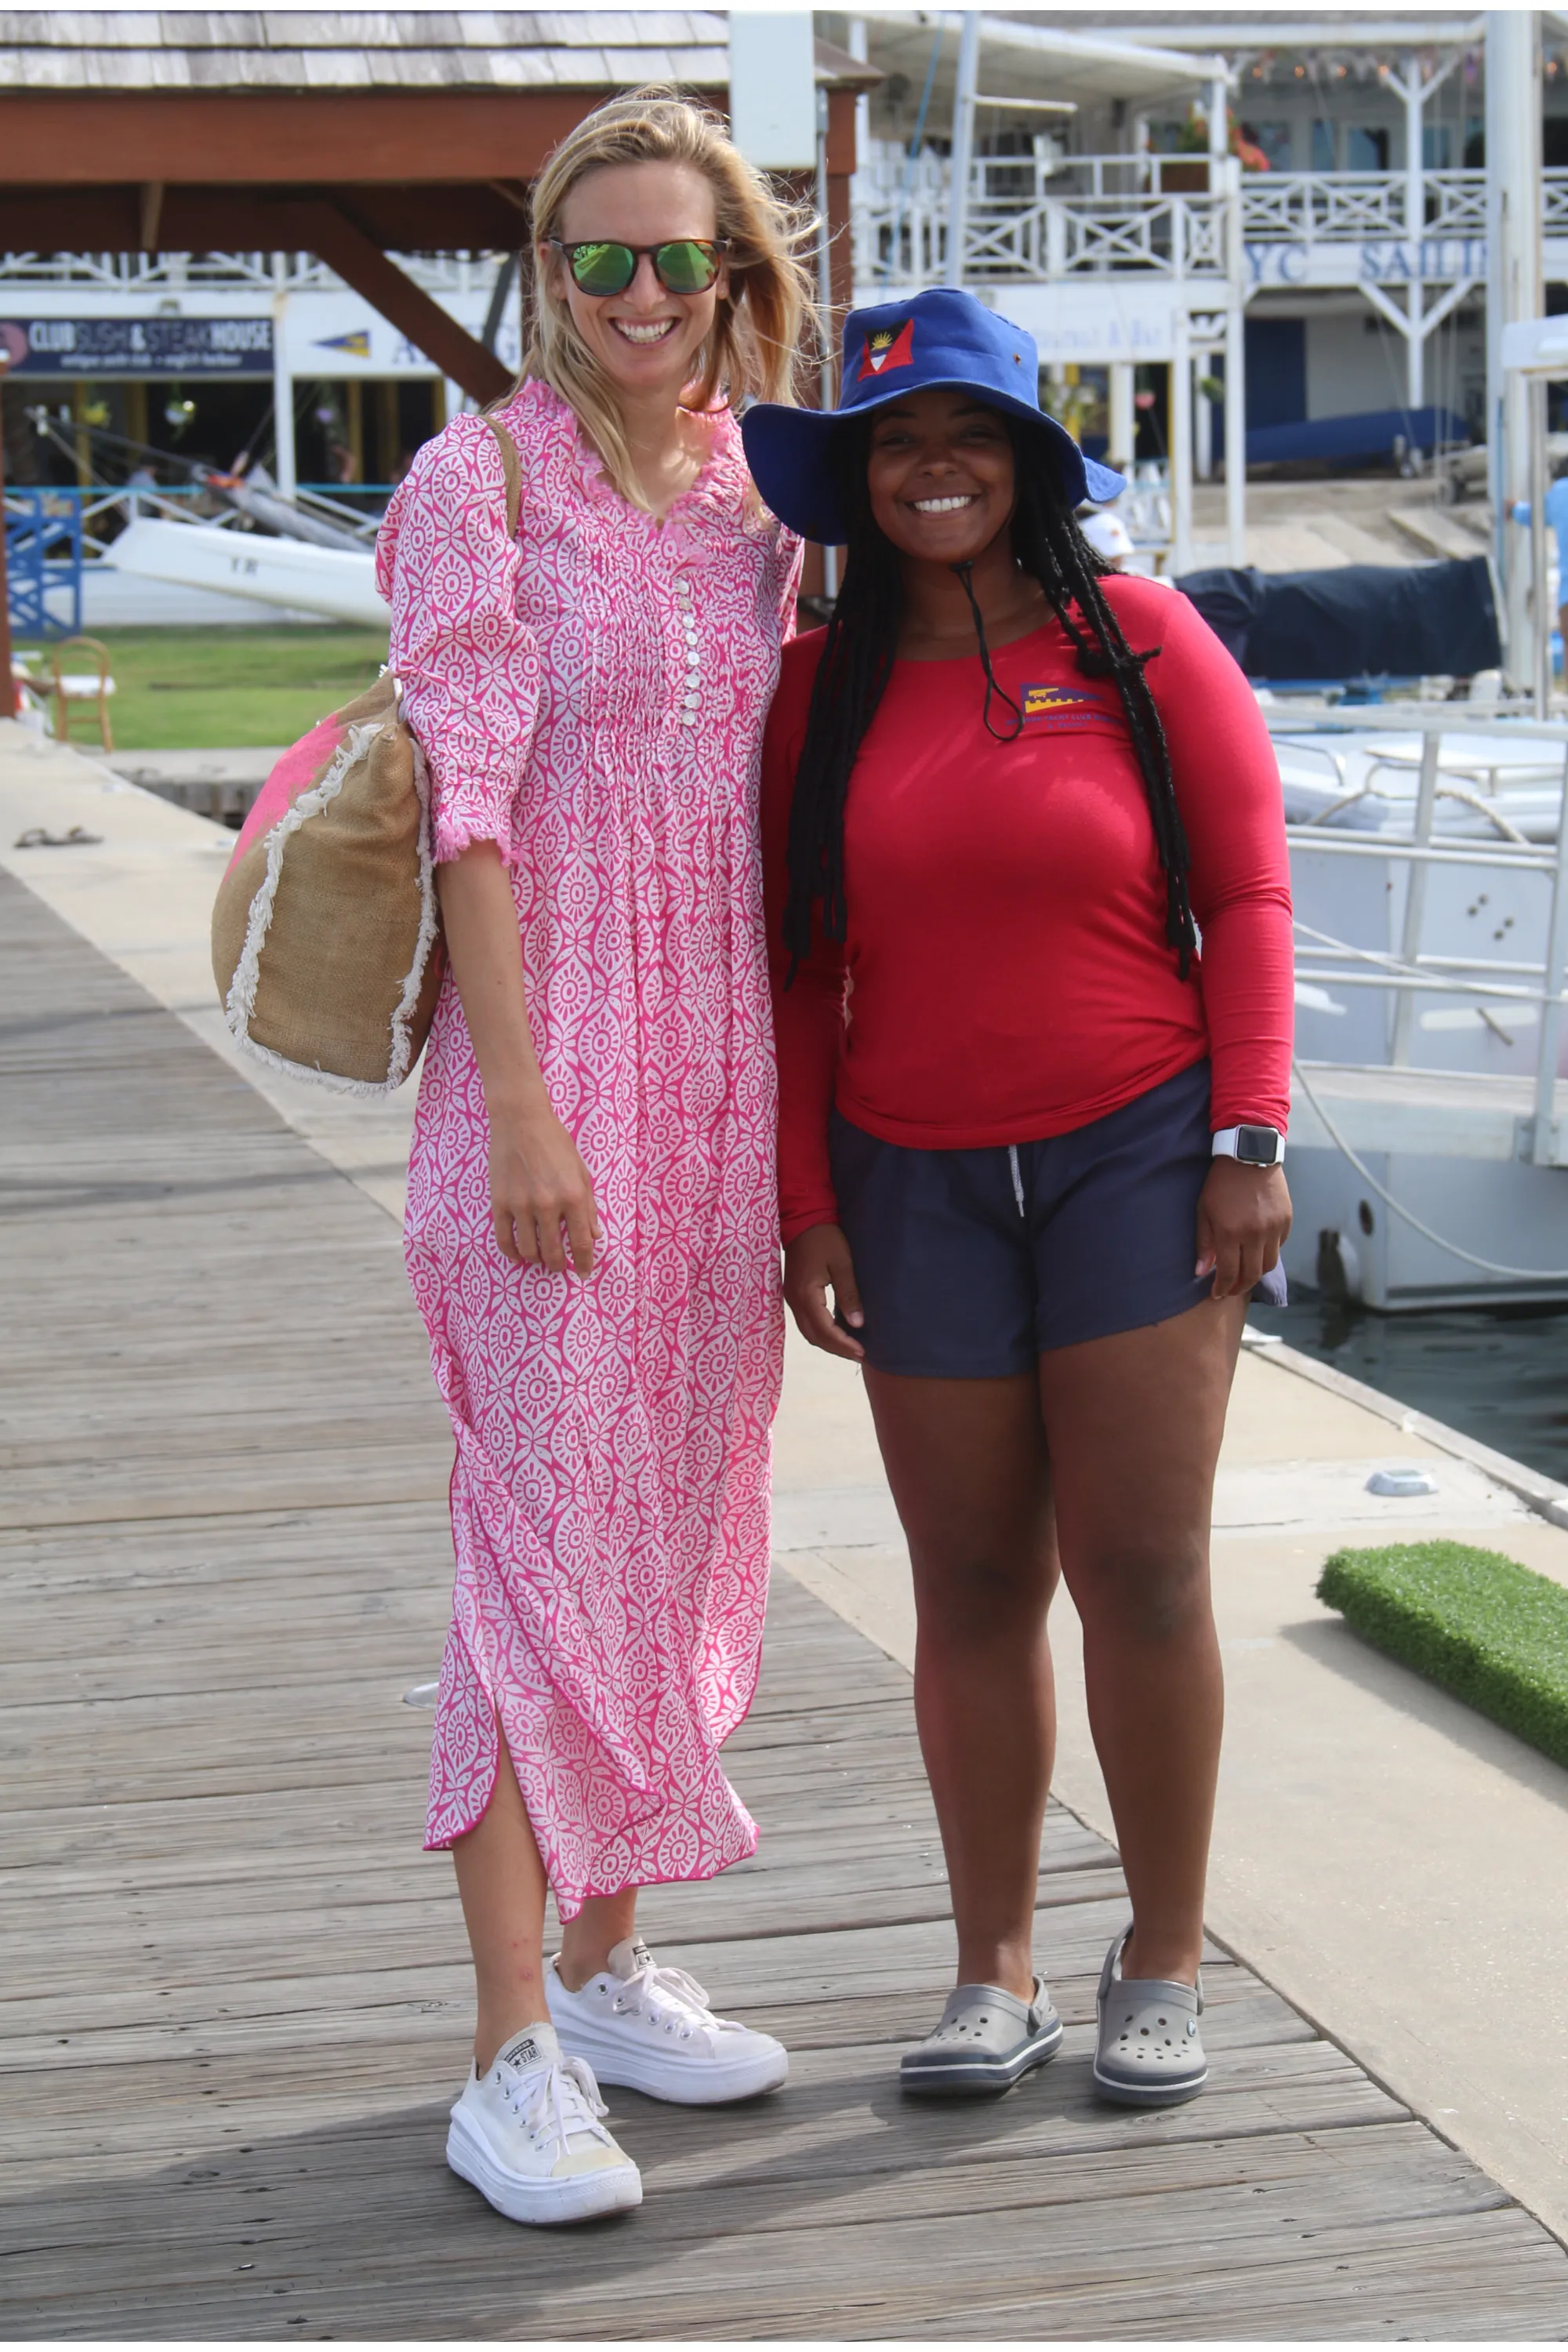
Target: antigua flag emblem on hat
943, 340
887, 349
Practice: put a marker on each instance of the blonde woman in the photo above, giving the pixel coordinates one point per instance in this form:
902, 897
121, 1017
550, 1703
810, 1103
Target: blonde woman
591, 1230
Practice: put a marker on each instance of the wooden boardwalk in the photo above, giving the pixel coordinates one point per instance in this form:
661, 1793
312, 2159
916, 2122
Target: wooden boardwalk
234, 2002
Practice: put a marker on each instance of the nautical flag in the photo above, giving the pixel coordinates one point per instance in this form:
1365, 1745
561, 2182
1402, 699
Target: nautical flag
356, 345
884, 350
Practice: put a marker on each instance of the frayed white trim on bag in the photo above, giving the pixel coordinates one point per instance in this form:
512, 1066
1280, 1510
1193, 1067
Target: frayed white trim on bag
429, 924
239, 1005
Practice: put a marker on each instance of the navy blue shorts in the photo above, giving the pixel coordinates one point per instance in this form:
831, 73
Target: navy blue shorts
970, 1264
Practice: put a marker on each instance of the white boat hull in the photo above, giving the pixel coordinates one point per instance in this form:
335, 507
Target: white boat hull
1447, 1129
337, 582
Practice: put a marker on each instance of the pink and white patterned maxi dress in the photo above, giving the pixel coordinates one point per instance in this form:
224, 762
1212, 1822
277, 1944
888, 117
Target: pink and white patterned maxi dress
591, 697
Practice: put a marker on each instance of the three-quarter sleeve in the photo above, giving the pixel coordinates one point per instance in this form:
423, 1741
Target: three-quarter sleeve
1228, 787
470, 672
808, 1010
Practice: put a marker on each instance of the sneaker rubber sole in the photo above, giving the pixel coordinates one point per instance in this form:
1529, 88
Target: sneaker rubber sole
977, 2078
705, 2084
580, 2197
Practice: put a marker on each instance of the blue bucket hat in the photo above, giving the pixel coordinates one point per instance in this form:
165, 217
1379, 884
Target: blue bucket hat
943, 340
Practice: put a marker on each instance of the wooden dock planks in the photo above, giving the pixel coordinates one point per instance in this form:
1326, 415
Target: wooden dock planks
235, 1993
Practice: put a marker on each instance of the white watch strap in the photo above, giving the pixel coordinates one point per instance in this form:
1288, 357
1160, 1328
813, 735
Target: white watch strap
1227, 1140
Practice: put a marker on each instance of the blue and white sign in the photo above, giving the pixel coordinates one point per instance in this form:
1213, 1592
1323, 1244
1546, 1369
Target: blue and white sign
99, 348
1377, 261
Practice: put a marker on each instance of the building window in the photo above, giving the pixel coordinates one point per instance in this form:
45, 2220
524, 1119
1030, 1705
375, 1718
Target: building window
1274, 138
1365, 150
1323, 146
1437, 146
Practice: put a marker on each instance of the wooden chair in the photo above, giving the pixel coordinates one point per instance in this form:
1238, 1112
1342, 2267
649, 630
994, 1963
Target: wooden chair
81, 686
30, 693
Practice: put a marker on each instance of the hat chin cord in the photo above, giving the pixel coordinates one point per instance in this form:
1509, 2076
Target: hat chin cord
964, 574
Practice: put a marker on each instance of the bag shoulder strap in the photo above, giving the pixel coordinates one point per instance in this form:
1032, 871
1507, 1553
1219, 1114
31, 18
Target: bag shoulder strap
511, 467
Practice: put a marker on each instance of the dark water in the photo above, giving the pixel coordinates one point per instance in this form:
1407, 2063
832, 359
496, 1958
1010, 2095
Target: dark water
1500, 1374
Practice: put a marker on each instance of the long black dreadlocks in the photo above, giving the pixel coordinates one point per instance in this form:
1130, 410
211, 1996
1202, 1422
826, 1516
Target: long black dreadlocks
858, 660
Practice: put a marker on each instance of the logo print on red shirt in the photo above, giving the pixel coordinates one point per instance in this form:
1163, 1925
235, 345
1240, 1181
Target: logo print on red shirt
886, 349
1069, 709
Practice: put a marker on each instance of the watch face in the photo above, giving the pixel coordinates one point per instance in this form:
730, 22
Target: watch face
1257, 1145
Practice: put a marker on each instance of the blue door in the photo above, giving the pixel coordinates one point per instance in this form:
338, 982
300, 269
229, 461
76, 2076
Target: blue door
1276, 372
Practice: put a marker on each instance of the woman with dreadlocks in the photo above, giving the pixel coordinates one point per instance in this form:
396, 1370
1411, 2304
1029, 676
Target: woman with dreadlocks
1030, 1139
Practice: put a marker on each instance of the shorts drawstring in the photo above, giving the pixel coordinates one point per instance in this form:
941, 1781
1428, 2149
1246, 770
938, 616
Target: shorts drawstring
1017, 1178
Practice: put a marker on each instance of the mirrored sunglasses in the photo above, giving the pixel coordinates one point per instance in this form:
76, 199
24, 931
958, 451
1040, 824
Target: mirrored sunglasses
688, 264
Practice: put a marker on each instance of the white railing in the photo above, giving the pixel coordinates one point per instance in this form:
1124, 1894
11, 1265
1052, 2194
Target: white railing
128, 272
1310, 206
1456, 201
905, 244
1350, 207
166, 273
1045, 217
1408, 973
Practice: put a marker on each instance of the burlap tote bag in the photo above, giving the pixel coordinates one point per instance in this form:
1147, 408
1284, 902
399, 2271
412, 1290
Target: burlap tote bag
326, 933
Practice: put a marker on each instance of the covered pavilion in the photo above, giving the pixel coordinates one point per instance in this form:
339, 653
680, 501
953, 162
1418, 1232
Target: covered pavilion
354, 137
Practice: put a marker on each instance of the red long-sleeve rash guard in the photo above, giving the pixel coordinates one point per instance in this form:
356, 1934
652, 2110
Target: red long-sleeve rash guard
1006, 975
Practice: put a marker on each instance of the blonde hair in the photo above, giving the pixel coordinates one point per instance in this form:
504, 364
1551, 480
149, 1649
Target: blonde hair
759, 325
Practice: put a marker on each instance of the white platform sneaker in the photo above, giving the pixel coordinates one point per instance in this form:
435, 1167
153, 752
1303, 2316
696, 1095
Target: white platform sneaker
650, 2029
528, 2136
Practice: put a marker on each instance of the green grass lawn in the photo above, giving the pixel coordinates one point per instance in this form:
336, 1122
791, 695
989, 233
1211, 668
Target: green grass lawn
192, 689
1494, 1634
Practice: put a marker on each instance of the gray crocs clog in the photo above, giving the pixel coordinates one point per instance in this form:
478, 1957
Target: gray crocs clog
1149, 2053
987, 2038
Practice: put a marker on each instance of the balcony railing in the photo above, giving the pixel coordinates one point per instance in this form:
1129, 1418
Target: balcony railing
904, 243
1047, 216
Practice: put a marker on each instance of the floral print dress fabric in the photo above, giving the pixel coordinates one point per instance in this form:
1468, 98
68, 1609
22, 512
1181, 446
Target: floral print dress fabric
590, 697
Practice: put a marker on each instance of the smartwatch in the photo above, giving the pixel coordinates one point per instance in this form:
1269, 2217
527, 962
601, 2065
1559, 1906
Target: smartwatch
1257, 1147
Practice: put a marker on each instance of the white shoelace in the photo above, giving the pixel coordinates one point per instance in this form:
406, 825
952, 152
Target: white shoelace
554, 2103
670, 1998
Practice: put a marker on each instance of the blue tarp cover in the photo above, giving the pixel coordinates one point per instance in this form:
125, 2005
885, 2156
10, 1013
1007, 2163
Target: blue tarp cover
1361, 621
1367, 436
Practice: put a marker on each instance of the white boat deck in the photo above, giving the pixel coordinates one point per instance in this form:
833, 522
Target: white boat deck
1451, 1114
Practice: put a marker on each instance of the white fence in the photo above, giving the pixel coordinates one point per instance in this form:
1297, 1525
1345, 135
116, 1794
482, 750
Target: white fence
1047, 216
272, 273
1035, 218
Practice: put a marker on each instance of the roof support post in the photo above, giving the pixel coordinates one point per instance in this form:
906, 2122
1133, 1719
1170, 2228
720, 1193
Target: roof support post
825, 384
1415, 88
362, 264
968, 82
1219, 131
8, 683
1514, 290
1181, 433
283, 458
1123, 416
1413, 92
1235, 368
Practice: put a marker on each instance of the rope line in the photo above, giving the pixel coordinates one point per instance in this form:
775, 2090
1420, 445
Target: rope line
1487, 1264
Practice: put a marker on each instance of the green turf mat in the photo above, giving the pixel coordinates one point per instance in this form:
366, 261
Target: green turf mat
1492, 1633
223, 687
